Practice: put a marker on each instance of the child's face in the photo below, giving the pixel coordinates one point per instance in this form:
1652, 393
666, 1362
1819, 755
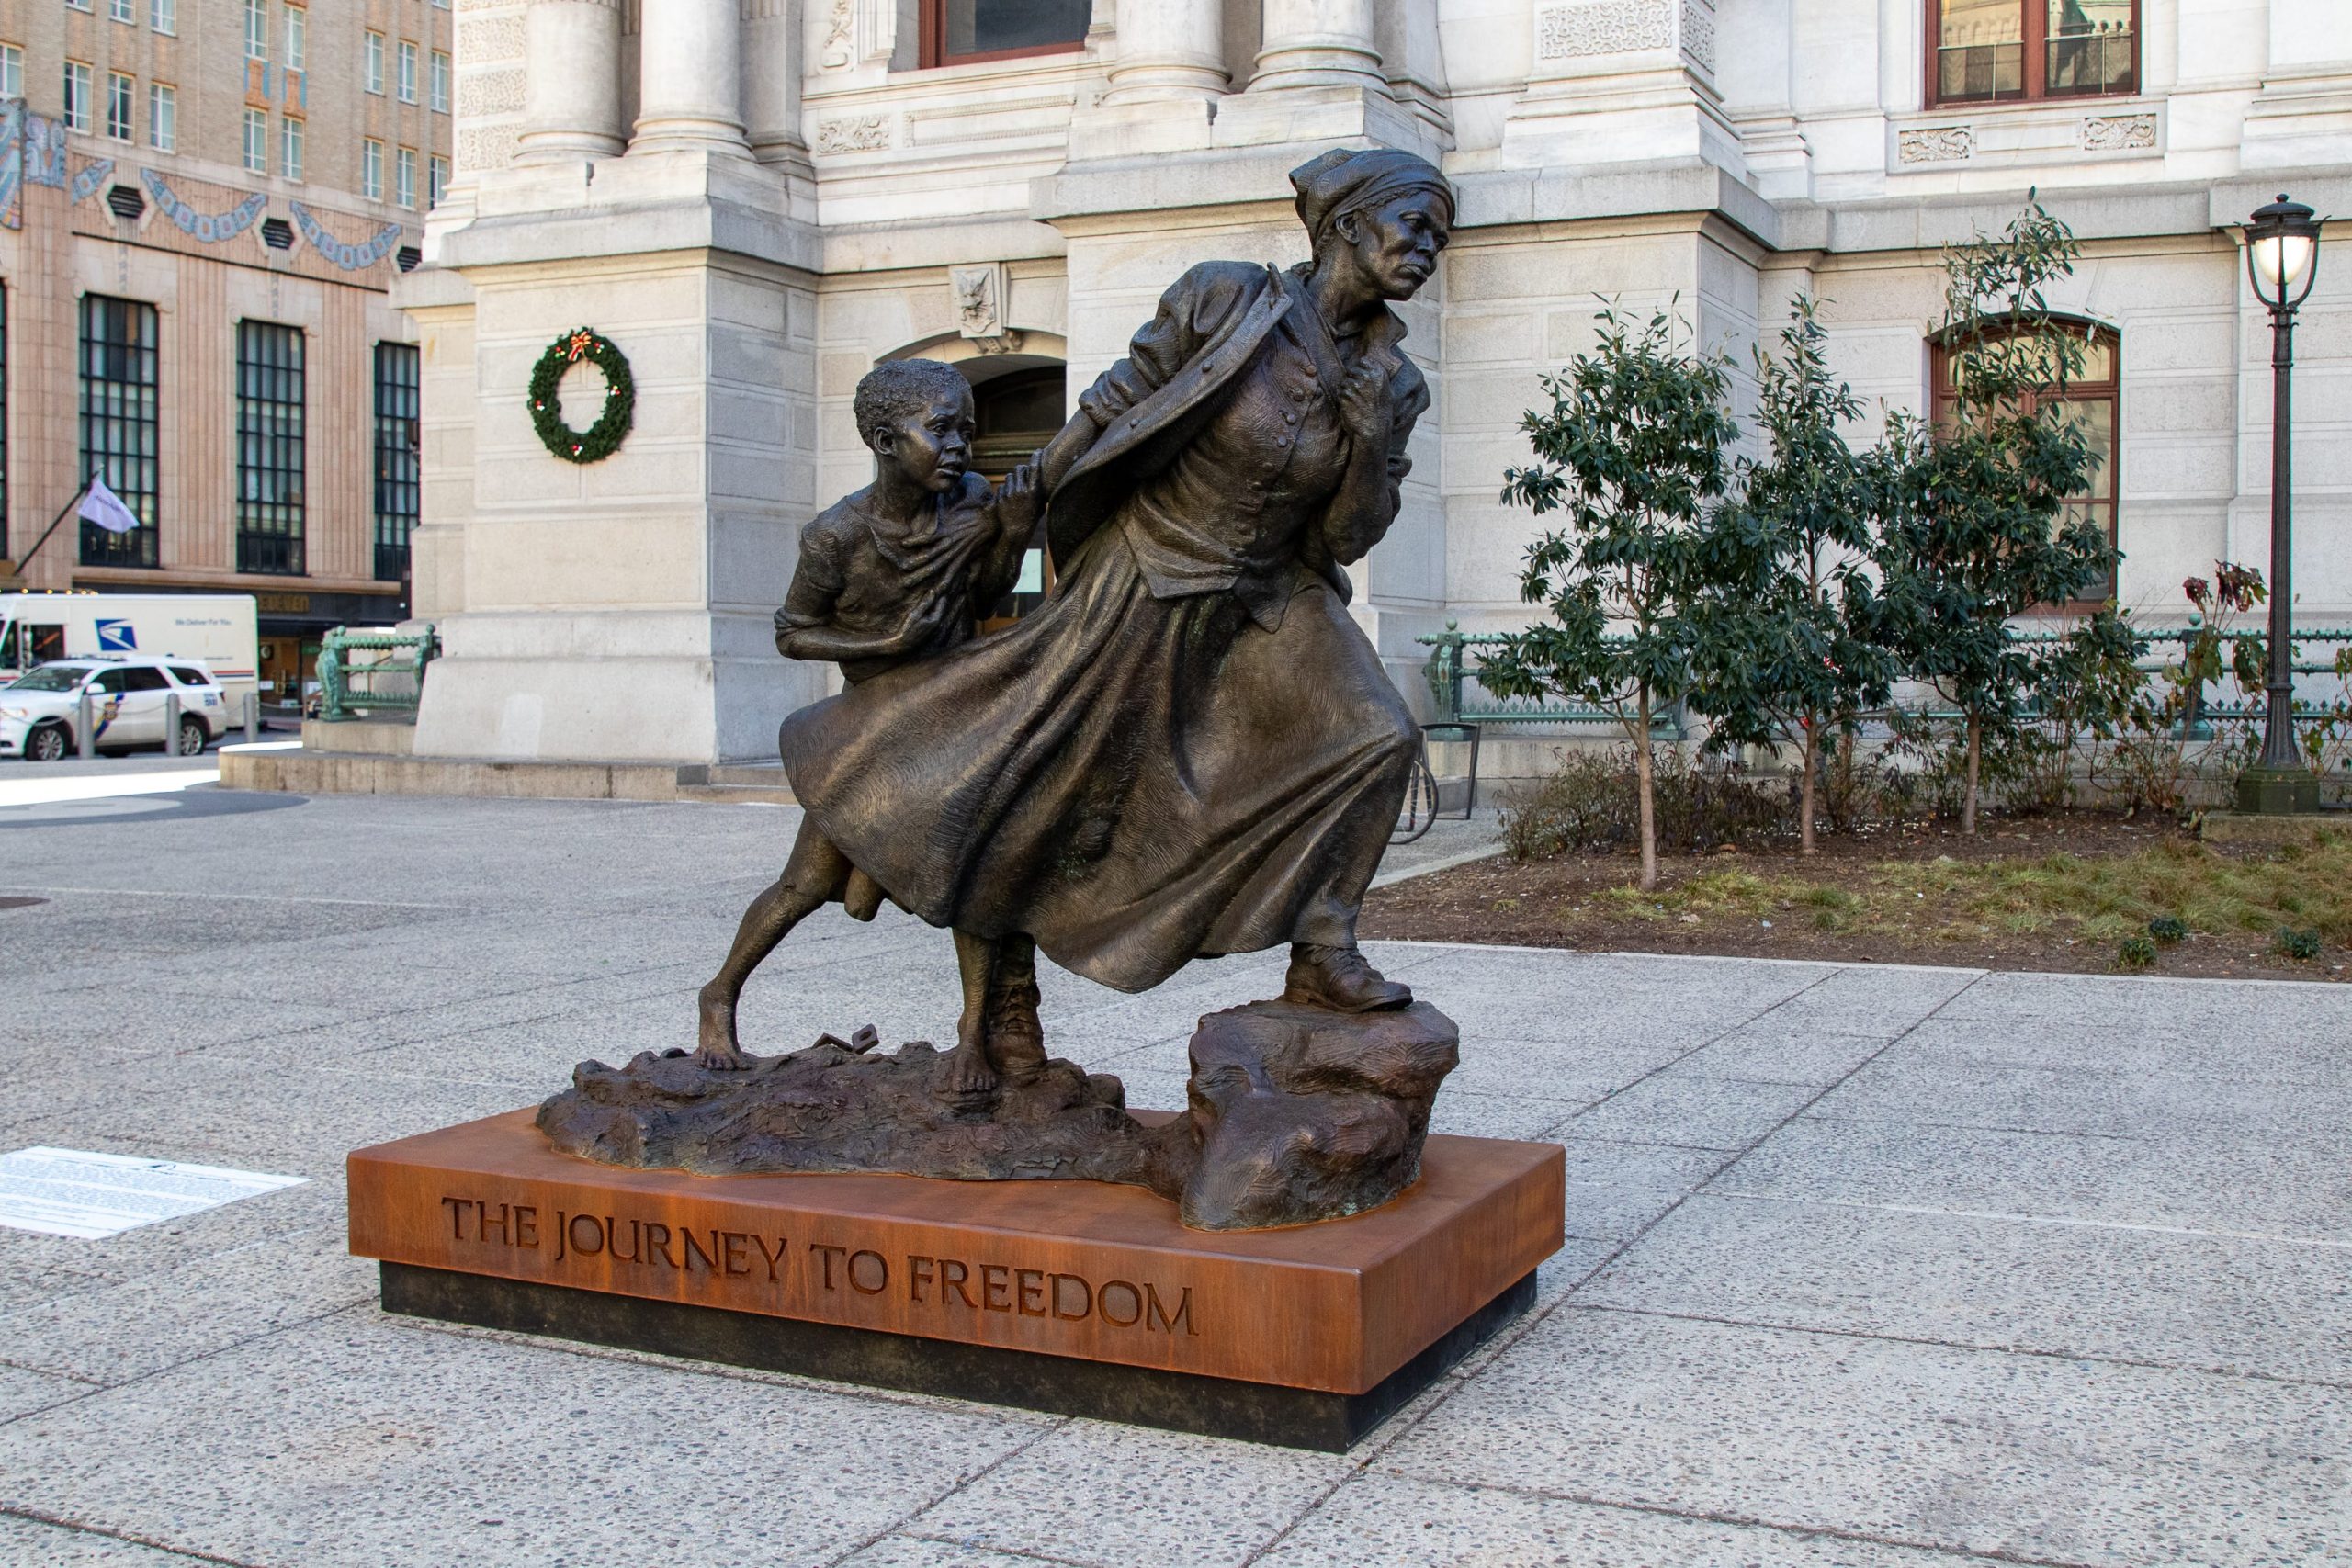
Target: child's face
931, 447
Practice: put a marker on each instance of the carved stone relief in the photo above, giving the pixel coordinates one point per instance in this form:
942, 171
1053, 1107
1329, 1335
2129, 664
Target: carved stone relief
1606, 26
1938, 144
978, 296
839, 52
1699, 33
854, 133
2119, 133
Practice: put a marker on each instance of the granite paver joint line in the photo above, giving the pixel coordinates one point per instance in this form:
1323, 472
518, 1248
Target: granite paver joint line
97, 1389
126, 1537
248, 897
899, 1526
2070, 1221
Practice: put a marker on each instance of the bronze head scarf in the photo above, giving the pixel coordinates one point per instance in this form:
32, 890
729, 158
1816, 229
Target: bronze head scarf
1350, 180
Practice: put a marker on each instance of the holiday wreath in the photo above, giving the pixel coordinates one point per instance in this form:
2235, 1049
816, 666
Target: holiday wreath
603, 437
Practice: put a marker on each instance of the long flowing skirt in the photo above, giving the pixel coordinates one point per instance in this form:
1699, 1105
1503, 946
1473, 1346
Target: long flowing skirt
1135, 781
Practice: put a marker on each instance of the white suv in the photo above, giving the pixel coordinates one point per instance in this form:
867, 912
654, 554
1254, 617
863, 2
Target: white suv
129, 701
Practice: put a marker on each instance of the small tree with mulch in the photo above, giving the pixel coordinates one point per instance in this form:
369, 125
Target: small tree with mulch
1976, 529
1631, 453
1787, 652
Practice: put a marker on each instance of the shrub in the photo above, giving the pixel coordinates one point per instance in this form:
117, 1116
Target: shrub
1591, 804
2168, 929
2136, 953
2302, 945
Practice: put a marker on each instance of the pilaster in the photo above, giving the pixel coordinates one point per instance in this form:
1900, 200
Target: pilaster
1621, 81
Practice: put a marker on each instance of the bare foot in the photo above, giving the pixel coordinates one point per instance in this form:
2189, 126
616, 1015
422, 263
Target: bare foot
717, 1049
968, 1074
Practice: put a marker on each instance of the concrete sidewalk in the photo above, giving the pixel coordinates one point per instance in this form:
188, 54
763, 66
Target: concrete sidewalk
1872, 1265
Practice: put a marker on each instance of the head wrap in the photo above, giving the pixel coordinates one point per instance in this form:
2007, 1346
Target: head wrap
1348, 180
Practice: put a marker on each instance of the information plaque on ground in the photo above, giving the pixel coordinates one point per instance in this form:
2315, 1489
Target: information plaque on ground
1077, 1296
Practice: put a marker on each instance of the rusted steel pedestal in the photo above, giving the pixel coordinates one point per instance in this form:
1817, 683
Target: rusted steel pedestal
1076, 1297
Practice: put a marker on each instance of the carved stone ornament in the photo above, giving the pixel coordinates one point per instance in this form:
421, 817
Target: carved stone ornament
1699, 33
853, 133
1938, 144
978, 294
839, 52
1605, 26
2119, 133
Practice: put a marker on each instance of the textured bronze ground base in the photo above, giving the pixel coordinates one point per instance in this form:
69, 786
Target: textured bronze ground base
1063, 1386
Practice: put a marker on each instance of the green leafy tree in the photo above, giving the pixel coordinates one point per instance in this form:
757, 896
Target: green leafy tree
1787, 653
1977, 528
1629, 455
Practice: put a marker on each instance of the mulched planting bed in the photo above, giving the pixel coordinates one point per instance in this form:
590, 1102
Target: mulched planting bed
2057, 893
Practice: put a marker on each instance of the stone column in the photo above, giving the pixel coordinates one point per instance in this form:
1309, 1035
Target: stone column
771, 64
1168, 50
690, 86
1318, 43
571, 82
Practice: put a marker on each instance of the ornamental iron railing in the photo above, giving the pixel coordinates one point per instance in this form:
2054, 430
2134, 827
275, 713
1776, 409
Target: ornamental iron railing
373, 672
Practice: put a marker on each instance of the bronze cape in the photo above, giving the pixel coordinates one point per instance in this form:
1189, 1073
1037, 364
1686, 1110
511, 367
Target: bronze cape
1190, 749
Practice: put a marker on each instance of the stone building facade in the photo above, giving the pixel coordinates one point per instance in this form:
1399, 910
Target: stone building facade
203, 205
758, 199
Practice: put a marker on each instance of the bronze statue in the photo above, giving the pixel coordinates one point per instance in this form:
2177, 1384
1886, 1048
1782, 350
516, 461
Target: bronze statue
1189, 750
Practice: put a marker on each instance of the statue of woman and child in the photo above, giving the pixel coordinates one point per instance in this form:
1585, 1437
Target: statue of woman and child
1190, 749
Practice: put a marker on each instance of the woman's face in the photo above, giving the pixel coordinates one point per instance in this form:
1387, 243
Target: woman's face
1396, 243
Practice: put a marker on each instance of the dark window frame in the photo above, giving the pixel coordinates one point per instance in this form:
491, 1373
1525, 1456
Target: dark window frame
2034, 63
932, 43
2109, 390
399, 468
120, 393
272, 449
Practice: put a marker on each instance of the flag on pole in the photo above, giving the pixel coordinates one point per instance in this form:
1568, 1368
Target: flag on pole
103, 507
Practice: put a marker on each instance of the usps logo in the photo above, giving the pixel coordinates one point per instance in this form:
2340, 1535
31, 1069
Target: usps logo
117, 636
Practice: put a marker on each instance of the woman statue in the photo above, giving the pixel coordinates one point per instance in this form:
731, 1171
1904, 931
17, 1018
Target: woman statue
1190, 749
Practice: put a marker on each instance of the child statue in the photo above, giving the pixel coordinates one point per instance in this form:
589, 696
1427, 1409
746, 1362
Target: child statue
898, 571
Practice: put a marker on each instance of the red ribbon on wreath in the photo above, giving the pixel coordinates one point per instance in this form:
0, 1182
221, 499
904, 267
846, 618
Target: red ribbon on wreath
581, 342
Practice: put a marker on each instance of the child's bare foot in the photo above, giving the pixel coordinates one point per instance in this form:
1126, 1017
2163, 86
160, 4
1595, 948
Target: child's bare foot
717, 1049
967, 1075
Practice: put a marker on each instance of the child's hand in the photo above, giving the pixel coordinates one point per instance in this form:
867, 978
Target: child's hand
1018, 501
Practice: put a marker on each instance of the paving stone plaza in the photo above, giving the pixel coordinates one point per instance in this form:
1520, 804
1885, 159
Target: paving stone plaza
1896, 1268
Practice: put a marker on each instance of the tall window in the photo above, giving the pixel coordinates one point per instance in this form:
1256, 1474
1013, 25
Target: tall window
164, 16
297, 39
398, 471
256, 29
77, 4
440, 92
163, 117
371, 62
256, 141
290, 148
269, 449
120, 11
77, 96
1984, 52
2088, 398
404, 178
4, 422
957, 31
371, 169
12, 70
119, 422
437, 180
408, 72
122, 95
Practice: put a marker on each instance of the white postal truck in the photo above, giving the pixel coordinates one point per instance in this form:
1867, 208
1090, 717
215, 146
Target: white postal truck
217, 630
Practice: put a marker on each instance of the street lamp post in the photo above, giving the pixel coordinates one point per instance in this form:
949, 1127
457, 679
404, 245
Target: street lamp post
2282, 254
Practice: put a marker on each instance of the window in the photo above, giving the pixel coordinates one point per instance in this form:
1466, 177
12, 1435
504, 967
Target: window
121, 103
371, 66
404, 178
1984, 51
2089, 397
297, 39
163, 117
256, 29
290, 148
12, 70
4, 428
371, 170
120, 11
269, 449
77, 4
77, 96
164, 16
440, 96
398, 471
119, 422
408, 72
957, 31
256, 141
437, 180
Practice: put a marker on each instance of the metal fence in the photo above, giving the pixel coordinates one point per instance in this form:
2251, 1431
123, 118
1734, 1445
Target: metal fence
373, 672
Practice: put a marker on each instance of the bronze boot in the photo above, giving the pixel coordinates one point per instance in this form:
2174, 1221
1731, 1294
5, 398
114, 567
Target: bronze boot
1339, 979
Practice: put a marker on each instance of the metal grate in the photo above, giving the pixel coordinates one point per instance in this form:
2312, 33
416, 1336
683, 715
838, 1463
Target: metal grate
278, 234
270, 455
409, 257
119, 422
127, 202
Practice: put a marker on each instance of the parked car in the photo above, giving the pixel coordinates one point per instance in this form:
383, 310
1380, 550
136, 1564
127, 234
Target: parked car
130, 701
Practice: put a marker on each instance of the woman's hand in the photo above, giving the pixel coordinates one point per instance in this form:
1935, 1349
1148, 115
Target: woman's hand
1367, 412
